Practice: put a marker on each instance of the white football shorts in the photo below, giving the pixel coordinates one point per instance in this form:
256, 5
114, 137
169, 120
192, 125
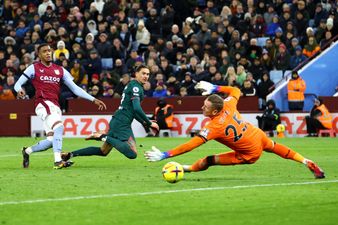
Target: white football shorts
48, 119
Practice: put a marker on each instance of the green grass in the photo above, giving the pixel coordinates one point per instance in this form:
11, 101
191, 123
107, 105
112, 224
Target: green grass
115, 190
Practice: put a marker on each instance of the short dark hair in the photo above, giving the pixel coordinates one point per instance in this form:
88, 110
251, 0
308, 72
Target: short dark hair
216, 102
140, 67
42, 45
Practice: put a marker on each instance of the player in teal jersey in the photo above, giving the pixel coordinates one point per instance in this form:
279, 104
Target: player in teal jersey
120, 134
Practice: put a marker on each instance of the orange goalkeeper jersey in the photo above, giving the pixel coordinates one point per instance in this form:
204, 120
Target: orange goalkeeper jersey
229, 129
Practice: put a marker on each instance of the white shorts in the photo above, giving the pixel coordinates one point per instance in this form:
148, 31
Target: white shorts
48, 119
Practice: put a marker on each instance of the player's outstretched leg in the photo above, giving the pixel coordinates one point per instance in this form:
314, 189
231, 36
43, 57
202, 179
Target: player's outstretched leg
224, 159
288, 153
127, 148
97, 136
317, 172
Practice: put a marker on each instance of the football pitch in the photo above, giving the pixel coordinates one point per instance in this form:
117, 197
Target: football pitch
116, 190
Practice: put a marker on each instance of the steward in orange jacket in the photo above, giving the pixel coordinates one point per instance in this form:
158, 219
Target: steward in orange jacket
320, 118
296, 89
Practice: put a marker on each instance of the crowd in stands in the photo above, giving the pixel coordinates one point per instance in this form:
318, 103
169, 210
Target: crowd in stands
225, 42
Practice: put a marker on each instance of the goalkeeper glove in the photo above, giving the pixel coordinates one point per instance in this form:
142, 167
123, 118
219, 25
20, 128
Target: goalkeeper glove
155, 155
206, 87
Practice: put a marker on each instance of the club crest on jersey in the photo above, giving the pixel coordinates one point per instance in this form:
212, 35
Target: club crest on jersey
136, 89
57, 72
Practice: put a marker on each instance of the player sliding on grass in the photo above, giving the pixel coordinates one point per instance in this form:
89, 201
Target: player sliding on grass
227, 127
120, 134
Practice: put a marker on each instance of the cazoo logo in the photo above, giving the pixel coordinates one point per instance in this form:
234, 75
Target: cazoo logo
48, 78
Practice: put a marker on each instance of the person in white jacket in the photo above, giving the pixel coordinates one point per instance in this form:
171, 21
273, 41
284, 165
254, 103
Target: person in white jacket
142, 35
43, 7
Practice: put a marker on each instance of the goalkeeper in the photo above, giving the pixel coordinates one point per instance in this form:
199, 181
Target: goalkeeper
120, 134
227, 127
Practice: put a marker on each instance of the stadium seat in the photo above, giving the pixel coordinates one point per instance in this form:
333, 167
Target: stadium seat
276, 75
107, 63
165, 133
287, 72
327, 133
261, 41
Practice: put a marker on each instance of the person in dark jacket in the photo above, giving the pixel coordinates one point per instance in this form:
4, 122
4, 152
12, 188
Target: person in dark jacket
270, 118
264, 88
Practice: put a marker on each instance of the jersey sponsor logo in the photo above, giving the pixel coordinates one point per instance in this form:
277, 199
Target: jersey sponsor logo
50, 79
57, 72
204, 133
136, 89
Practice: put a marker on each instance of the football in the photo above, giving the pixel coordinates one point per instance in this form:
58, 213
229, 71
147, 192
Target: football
172, 172
280, 128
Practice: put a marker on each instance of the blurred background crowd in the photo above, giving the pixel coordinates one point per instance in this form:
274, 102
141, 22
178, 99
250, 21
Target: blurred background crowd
225, 42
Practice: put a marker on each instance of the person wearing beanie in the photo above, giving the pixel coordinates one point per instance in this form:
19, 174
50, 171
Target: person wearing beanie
297, 58
296, 89
270, 118
61, 48
282, 59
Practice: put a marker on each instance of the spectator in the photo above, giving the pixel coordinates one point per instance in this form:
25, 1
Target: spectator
270, 118
183, 92
296, 89
166, 68
79, 73
49, 15
311, 48
320, 31
266, 60
201, 74
21, 29
324, 42
167, 19
282, 60
248, 89
273, 26
98, 5
153, 25
189, 83
230, 76
142, 36
61, 48
298, 58
104, 47
125, 36
93, 64
44, 5
147, 89
320, 118
160, 90
173, 85
264, 87
240, 75
7, 90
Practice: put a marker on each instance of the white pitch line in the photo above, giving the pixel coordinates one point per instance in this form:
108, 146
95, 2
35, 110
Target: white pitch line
159, 192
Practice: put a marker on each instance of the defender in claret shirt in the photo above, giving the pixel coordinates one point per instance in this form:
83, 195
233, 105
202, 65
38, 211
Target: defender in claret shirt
228, 128
120, 135
47, 78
